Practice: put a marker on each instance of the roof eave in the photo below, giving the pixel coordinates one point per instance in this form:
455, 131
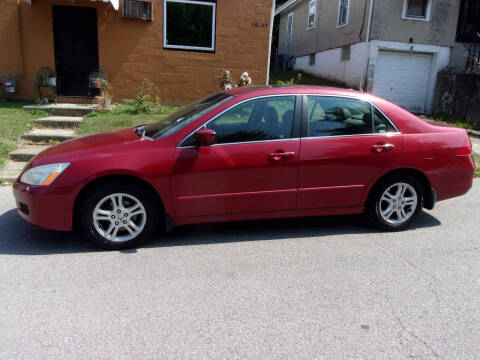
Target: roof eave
286, 6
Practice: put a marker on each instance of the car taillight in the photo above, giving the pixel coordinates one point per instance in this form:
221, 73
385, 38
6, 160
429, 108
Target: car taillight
464, 150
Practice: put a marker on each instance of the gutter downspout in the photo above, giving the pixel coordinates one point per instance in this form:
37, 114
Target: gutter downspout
270, 41
363, 82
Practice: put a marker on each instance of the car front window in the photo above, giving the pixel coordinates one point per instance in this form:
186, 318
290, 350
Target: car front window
261, 119
185, 116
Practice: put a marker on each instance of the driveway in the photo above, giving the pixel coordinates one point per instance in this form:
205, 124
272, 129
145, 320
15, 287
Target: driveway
329, 288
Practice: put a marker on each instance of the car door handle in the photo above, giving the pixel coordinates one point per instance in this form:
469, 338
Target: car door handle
280, 155
382, 147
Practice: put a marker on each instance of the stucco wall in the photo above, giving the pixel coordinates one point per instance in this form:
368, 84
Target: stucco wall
131, 51
388, 24
325, 35
328, 64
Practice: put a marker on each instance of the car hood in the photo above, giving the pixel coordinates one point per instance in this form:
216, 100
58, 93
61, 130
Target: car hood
92, 143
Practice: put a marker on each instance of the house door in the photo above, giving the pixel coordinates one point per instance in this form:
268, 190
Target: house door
76, 48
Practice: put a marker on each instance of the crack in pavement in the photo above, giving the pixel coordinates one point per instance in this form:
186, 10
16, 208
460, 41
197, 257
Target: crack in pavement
411, 264
410, 332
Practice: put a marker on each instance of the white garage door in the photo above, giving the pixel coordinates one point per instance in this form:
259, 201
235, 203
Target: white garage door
402, 78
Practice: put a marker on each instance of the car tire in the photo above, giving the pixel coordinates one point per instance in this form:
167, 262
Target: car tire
395, 202
119, 215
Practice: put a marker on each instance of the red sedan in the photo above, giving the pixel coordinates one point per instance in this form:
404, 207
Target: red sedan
248, 153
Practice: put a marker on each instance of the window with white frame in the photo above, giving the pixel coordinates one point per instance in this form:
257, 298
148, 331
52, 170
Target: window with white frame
343, 10
189, 25
290, 29
416, 9
312, 14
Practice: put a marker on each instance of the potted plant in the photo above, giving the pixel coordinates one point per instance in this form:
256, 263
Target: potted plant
104, 101
97, 83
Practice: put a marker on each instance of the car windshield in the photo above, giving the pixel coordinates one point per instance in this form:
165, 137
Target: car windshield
184, 116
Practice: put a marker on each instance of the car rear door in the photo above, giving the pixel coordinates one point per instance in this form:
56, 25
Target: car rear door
252, 167
343, 151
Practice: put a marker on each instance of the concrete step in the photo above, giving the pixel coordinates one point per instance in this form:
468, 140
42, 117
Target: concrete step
46, 135
26, 153
59, 121
11, 171
65, 109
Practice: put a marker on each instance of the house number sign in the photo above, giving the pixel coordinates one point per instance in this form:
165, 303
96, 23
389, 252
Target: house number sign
257, 25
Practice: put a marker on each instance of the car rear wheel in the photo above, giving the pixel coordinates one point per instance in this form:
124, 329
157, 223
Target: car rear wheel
119, 216
395, 202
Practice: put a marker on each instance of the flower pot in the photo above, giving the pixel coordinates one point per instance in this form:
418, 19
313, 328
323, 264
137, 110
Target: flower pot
104, 102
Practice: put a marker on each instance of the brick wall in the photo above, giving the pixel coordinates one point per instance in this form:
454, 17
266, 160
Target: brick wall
131, 51
10, 41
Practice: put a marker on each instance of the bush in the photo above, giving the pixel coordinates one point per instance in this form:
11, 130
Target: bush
141, 103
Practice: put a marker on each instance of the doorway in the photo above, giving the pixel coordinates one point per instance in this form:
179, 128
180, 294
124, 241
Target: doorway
75, 36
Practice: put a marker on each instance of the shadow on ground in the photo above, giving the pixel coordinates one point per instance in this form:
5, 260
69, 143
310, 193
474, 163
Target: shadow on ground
17, 237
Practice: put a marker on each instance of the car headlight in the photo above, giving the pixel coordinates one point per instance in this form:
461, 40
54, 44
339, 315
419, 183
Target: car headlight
44, 174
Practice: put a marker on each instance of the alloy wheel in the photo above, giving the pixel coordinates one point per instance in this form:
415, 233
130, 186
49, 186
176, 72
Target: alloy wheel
119, 217
398, 203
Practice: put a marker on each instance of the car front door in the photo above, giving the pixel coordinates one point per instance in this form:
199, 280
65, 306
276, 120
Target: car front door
342, 151
252, 166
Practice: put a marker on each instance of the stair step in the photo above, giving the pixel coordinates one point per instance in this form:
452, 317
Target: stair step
65, 109
60, 121
11, 171
46, 135
26, 153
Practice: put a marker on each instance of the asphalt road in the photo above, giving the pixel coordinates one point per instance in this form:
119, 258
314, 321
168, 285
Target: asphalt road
327, 288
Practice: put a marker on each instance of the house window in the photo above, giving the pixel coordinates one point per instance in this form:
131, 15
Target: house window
416, 9
343, 10
189, 25
290, 29
346, 52
311, 59
312, 13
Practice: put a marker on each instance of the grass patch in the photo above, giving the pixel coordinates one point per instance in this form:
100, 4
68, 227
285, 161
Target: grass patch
14, 121
306, 79
477, 161
122, 116
452, 120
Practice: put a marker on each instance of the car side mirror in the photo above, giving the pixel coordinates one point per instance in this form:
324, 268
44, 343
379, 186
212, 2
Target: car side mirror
205, 137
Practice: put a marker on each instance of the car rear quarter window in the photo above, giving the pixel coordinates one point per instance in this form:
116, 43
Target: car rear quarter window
338, 116
381, 123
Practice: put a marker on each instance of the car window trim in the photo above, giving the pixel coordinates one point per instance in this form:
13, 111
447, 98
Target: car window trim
295, 128
305, 122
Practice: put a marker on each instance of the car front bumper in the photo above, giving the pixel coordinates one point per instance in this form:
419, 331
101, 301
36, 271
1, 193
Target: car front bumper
48, 207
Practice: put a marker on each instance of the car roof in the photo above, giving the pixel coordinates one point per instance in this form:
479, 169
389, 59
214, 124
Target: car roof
292, 89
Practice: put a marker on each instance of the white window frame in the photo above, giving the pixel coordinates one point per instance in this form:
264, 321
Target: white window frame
185, 47
289, 39
409, 17
338, 14
314, 14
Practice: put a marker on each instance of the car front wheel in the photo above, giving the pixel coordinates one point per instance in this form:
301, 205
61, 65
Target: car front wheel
395, 203
119, 216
